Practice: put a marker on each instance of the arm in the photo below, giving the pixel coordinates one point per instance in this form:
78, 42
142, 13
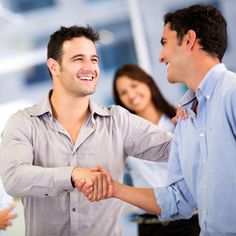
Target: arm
140, 197
22, 177
141, 138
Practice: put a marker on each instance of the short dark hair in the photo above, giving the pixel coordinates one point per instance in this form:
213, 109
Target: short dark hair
135, 72
67, 33
208, 23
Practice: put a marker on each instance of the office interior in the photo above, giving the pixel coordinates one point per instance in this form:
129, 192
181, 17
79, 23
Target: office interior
130, 32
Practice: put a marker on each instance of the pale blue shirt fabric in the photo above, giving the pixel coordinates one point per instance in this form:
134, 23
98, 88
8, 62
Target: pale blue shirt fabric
202, 163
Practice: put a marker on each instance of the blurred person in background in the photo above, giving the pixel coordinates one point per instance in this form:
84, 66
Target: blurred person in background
7, 212
137, 91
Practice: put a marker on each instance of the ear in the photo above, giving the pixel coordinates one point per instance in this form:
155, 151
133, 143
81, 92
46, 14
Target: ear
190, 39
53, 66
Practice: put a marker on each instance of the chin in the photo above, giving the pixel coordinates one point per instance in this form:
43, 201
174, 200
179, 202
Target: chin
170, 80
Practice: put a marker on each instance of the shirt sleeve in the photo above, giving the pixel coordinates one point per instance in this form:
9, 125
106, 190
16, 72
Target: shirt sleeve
142, 139
20, 177
175, 200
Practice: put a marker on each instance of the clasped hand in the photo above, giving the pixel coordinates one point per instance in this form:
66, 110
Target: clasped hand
95, 183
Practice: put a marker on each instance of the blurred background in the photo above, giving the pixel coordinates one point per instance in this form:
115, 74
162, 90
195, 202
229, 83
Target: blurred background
130, 33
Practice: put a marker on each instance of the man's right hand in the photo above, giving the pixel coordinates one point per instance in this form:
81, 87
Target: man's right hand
94, 182
6, 216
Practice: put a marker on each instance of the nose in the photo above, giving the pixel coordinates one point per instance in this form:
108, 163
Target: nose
130, 94
87, 63
161, 57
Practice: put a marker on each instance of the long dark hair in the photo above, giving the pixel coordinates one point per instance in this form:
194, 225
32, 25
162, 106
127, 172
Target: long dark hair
134, 72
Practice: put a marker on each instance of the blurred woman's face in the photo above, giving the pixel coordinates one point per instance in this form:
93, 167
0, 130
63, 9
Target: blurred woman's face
135, 95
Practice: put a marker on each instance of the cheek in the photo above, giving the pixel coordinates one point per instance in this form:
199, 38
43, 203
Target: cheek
124, 100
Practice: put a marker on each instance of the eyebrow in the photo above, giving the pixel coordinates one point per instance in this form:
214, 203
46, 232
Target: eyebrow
82, 55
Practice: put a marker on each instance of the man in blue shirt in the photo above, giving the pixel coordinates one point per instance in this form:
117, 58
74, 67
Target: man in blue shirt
202, 163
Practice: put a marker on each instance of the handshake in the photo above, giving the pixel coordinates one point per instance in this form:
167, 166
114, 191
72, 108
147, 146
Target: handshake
95, 183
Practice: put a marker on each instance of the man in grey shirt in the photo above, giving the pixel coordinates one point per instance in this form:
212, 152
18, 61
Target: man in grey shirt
48, 147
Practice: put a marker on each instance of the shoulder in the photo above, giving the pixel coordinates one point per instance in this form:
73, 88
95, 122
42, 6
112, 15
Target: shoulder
18, 121
165, 123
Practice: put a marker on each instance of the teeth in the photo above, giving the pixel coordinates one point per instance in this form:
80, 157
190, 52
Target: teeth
86, 78
136, 101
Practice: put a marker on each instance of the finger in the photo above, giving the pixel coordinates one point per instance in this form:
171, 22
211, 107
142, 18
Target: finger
79, 183
104, 186
174, 120
90, 197
96, 168
108, 176
88, 191
11, 216
88, 185
8, 209
101, 180
95, 188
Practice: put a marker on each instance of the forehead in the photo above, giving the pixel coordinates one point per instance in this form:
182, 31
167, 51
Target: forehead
79, 45
167, 32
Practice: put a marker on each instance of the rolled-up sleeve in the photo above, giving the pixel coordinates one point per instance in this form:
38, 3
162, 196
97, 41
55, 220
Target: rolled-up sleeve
20, 177
175, 201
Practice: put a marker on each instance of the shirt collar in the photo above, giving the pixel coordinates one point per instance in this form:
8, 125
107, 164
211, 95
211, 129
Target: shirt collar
206, 86
45, 107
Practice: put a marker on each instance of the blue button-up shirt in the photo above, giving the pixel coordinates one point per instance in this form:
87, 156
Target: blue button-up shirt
202, 164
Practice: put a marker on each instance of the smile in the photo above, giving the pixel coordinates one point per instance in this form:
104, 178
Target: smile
87, 78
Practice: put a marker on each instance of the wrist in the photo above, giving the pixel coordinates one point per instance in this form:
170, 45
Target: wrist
116, 189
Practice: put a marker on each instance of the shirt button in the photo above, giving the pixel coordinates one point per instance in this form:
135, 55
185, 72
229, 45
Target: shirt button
208, 97
201, 135
73, 209
46, 195
204, 212
204, 186
204, 161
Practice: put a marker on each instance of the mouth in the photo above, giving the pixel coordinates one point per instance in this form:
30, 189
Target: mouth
135, 101
86, 78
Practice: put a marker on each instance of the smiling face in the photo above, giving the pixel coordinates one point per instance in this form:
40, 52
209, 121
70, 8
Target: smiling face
173, 55
134, 94
78, 72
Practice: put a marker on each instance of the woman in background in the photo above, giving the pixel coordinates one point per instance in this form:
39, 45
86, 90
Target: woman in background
136, 91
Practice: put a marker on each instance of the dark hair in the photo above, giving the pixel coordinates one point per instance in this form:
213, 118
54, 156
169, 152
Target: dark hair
63, 34
134, 72
208, 23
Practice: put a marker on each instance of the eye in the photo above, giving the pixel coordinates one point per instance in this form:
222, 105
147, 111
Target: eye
163, 42
94, 60
134, 85
78, 59
122, 93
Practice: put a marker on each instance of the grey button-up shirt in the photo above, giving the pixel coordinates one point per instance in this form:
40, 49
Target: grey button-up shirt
37, 157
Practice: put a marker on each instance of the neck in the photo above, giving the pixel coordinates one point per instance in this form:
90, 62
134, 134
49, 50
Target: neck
68, 108
151, 114
199, 71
